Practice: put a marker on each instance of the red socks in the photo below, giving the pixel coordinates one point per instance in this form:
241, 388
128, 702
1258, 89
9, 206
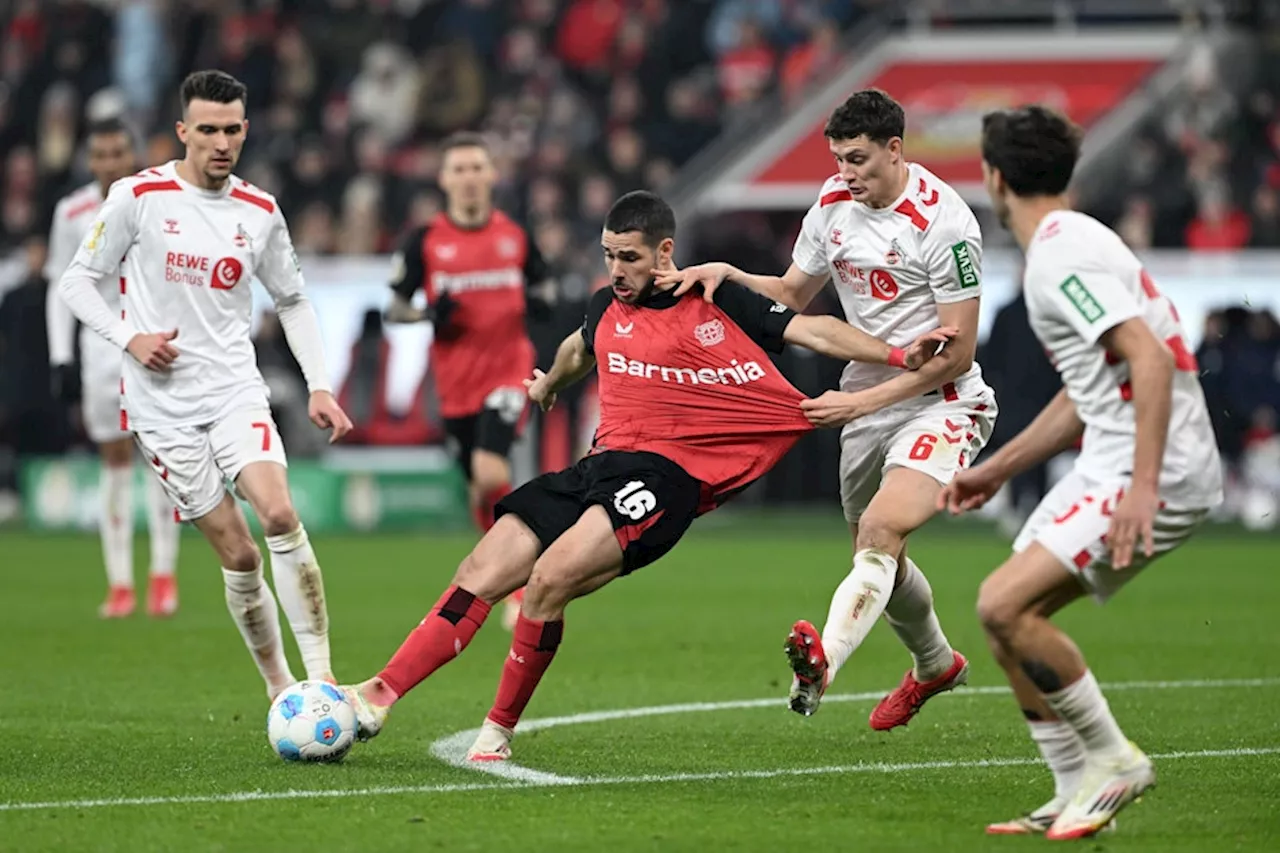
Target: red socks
533, 645
482, 513
438, 639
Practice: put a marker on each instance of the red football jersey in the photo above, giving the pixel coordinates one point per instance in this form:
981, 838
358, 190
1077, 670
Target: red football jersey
692, 382
485, 272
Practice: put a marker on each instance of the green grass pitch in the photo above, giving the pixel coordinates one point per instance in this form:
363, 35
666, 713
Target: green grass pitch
162, 723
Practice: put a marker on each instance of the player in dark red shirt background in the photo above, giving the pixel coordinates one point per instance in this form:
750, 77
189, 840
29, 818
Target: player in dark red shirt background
692, 410
481, 273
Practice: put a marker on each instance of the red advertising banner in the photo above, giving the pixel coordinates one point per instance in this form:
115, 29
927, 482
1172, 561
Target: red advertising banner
945, 101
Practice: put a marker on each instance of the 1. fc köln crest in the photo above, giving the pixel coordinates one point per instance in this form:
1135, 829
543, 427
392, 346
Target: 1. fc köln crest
709, 333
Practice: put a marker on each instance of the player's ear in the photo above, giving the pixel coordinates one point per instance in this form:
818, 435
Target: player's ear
665, 250
895, 147
181, 130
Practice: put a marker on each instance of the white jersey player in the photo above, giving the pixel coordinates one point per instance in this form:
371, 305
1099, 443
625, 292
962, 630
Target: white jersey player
904, 253
111, 157
192, 236
1147, 476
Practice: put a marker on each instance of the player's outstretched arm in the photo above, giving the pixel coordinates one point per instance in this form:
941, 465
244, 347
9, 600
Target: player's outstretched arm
1151, 367
836, 338
835, 408
573, 361
794, 289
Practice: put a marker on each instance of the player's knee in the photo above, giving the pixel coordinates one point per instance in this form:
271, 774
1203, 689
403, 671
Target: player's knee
278, 518
547, 593
877, 532
241, 555
998, 613
489, 474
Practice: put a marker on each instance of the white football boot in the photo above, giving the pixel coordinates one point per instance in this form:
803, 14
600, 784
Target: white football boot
370, 718
492, 744
1107, 788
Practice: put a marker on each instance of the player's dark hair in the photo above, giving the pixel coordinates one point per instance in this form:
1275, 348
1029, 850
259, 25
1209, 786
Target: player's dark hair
110, 127
645, 212
213, 85
464, 139
870, 113
1034, 147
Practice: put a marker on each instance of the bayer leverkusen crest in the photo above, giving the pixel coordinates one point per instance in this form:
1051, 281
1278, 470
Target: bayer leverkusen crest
709, 333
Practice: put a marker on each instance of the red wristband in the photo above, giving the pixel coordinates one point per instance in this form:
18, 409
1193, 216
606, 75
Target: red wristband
898, 357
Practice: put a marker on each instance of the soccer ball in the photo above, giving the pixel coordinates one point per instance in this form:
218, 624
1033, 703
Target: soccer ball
311, 721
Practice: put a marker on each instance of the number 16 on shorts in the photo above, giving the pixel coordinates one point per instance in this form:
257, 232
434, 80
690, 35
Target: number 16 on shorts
634, 500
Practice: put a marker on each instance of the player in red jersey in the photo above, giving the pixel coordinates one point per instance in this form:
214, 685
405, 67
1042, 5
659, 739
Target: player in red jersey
477, 268
692, 410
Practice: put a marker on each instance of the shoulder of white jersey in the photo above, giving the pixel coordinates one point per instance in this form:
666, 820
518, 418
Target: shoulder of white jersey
953, 215
834, 190
1073, 233
242, 190
78, 202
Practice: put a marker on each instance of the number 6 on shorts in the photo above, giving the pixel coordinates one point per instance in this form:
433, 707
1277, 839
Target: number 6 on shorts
923, 447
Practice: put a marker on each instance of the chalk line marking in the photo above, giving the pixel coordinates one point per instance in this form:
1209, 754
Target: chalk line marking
879, 767
531, 778
452, 749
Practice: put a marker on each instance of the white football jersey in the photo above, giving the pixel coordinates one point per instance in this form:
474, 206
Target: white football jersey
186, 257
892, 266
72, 217
1080, 281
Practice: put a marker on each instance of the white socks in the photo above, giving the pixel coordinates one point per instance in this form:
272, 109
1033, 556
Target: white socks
301, 589
253, 607
910, 613
115, 525
1083, 707
1063, 751
163, 529
856, 605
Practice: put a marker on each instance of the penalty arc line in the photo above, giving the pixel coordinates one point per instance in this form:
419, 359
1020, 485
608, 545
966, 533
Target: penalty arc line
452, 749
647, 779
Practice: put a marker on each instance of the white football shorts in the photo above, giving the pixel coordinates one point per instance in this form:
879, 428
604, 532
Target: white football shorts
930, 434
198, 464
1072, 522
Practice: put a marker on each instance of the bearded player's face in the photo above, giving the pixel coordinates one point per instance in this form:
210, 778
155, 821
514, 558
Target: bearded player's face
630, 262
214, 136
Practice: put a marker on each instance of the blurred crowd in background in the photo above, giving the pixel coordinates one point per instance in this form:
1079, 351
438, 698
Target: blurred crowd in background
582, 100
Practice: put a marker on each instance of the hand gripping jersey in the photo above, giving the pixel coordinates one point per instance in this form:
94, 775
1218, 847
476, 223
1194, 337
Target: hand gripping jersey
185, 257
692, 382
892, 266
1080, 281
485, 272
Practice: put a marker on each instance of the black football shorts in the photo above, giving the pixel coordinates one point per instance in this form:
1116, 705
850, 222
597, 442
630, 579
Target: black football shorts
494, 428
650, 500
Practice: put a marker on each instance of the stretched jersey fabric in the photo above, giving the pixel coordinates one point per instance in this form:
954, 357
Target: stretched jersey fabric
693, 382
1080, 281
485, 272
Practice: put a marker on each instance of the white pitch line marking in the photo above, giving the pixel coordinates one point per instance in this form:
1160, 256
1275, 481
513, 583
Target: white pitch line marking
718, 776
452, 749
